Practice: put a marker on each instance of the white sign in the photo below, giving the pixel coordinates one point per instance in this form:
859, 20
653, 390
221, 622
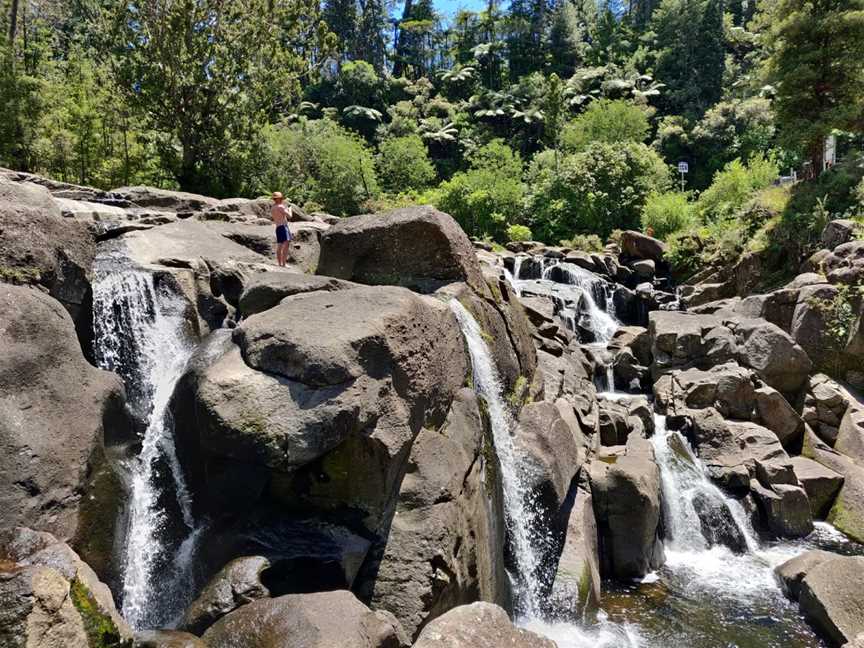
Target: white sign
683, 167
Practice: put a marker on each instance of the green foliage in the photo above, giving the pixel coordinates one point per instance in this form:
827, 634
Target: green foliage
320, 162
487, 196
667, 213
518, 233
403, 164
594, 191
816, 49
100, 629
734, 185
839, 315
584, 243
608, 121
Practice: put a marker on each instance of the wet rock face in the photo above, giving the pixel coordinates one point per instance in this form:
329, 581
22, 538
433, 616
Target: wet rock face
478, 624
418, 247
57, 414
717, 524
322, 620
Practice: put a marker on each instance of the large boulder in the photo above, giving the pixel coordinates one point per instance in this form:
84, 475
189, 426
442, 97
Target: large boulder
626, 497
830, 598
167, 639
850, 435
839, 231
845, 264
50, 598
825, 405
39, 246
445, 546
324, 395
822, 484
792, 572
236, 584
641, 246
728, 388
770, 351
478, 624
321, 620
57, 416
576, 583
164, 199
418, 247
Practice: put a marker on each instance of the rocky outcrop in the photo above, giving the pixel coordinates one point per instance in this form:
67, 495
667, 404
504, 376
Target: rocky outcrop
418, 247
265, 290
827, 587
39, 246
236, 584
57, 416
164, 199
167, 639
821, 484
50, 598
576, 582
479, 624
641, 246
446, 544
321, 620
626, 497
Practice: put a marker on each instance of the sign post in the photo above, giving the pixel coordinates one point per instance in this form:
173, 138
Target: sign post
683, 168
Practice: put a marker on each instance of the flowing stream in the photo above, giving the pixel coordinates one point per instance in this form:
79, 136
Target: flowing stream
140, 334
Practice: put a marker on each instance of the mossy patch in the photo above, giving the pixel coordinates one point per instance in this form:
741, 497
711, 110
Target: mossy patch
101, 630
20, 275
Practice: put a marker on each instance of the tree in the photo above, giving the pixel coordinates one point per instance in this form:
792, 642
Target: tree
370, 44
816, 52
691, 54
341, 18
403, 164
566, 39
606, 120
206, 74
413, 49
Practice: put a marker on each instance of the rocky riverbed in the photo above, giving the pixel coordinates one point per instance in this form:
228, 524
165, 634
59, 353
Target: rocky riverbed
406, 439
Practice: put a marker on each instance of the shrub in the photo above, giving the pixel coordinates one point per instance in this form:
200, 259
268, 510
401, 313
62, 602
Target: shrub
584, 242
518, 233
595, 191
403, 164
607, 121
321, 162
667, 213
734, 185
483, 198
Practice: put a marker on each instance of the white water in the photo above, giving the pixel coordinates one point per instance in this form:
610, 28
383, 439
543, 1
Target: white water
140, 334
521, 520
602, 320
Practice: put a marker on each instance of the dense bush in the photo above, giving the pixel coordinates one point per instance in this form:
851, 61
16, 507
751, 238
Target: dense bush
595, 191
584, 243
735, 185
667, 213
606, 121
403, 164
319, 162
489, 195
518, 233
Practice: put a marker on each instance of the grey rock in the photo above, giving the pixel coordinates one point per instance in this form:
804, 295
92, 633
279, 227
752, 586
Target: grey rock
478, 624
792, 572
265, 290
830, 597
822, 484
640, 246
167, 639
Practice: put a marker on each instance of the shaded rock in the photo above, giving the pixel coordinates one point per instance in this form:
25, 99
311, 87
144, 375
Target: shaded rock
839, 231
770, 351
821, 484
626, 498
643, 268
785, 508
265, 290
850, 435
322, 620
445, 546
414, 246
718, 525
478, 624
830, 597
640, 246
57, 415
845, 263
792, 572
576, 583
236, 584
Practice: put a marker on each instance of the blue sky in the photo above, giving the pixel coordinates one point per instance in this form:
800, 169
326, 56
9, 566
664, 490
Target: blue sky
450, 7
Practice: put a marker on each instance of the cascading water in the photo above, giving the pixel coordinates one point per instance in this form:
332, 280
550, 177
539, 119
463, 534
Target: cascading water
520, 518
140, 334
601, 322
523, 523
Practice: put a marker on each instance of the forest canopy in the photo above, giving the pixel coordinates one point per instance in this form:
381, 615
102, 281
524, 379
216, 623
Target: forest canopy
544, 119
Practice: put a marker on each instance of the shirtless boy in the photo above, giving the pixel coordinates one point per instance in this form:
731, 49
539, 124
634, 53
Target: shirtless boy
280, 215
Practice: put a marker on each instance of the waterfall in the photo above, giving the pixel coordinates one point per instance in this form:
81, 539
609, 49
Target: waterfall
140, 334
602, 321
687, 489
521, 522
